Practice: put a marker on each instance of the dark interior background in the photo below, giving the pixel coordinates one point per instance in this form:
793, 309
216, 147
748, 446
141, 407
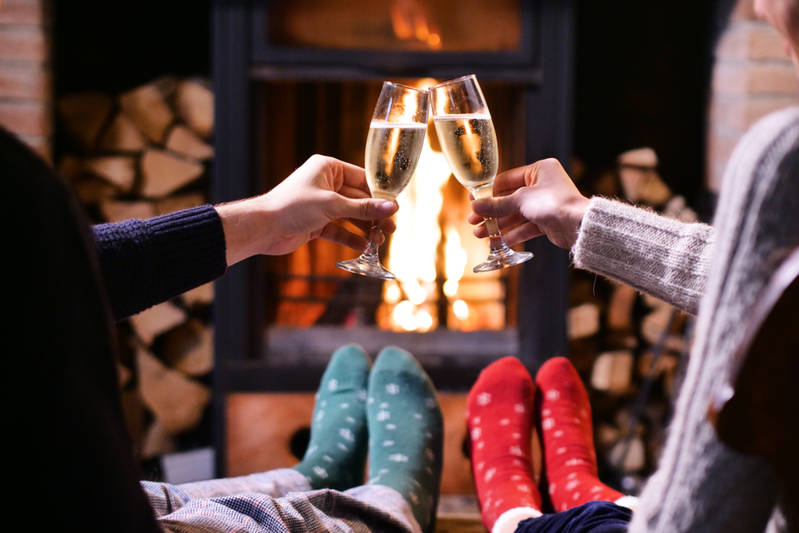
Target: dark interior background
642, 69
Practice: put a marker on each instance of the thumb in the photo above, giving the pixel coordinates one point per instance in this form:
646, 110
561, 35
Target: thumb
498, 207
364, 209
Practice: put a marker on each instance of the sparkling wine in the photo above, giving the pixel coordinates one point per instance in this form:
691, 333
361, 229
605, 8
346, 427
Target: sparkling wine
470, 146
392, 152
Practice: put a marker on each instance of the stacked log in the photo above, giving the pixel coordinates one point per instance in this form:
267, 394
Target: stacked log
626, 345
140, 154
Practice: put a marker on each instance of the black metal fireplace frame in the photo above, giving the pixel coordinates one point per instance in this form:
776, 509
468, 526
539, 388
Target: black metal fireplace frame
242, 58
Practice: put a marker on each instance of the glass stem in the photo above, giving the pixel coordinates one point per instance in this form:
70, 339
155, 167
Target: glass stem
370, 252
494, 236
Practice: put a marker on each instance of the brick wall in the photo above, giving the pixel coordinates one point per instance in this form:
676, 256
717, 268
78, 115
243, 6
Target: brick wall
25, 78
752, 77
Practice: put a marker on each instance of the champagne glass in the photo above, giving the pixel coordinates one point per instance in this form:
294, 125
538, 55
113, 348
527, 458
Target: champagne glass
467, 137
393, 147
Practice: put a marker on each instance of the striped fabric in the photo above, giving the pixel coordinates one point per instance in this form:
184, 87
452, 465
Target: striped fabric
279, 501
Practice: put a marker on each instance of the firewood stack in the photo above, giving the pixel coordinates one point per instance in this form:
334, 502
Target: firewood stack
141, 154
625, 344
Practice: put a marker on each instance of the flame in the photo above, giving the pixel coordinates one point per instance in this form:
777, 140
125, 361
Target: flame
414, 246
409, 22
410, 302
455, 262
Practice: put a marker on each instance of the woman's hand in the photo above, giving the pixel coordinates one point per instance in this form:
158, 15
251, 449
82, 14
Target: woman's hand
304, 207
537, 199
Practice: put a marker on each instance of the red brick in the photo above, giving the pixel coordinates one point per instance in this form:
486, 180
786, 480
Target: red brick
29, 12
23, 80
740, 112
748, 77
23, 42
751, 40
26, 118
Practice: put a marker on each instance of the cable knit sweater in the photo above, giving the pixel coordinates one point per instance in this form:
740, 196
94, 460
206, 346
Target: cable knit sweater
700, 485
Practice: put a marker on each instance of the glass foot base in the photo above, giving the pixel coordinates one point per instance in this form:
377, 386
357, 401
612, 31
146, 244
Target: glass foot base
365, 267
502, 258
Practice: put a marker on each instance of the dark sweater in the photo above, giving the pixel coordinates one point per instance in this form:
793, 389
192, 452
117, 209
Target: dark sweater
146, 262
69, 457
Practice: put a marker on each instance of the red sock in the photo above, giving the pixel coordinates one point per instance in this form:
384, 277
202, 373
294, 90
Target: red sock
567, 438
500, 418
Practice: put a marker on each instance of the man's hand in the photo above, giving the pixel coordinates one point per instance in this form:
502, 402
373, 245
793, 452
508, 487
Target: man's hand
304, 207
537, 199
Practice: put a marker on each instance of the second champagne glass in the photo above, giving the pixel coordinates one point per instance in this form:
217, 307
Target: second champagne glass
467, 136
393, 147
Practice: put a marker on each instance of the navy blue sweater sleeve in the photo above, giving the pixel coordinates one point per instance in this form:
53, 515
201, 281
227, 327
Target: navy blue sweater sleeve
146, 262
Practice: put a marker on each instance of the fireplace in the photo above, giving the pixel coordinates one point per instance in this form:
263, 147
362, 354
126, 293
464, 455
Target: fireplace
279, 63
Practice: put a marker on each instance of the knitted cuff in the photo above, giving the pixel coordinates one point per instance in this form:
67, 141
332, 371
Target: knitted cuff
509, 520
630, 502
191, 244
655, 254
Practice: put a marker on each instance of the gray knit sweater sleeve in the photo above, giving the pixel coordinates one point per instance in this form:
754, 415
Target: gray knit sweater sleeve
701, 486
655, 254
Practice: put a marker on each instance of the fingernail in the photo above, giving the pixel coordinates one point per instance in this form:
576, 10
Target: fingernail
386, 208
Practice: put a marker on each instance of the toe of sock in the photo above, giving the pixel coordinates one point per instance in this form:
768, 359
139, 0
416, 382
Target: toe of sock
394, 359
350, 360
555, 368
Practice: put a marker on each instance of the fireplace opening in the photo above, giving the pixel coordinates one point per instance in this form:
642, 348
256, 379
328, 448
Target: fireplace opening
293, 82
432, 252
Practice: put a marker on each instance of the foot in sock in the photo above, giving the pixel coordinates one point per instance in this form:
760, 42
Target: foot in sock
336, 453
567, 438
406, 432
500, 420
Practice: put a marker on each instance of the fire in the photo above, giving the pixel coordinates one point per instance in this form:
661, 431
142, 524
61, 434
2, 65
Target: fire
409, 21
422, 256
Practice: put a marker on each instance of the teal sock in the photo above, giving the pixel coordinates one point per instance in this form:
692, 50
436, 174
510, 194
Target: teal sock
406, 433
336, 453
